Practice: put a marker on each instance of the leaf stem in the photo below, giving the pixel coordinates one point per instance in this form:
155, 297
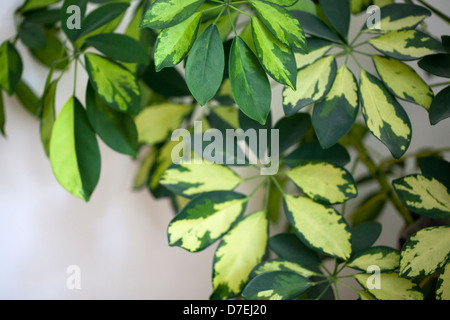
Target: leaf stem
231, 21
257, 188
220, 14
239, 10
277, 184
348, 286
323, 292
75, 76
441, 84
356, 60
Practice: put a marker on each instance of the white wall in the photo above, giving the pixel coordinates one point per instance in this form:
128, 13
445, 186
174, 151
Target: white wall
119, 238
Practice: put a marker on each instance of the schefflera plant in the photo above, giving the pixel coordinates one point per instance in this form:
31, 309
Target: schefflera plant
196, 29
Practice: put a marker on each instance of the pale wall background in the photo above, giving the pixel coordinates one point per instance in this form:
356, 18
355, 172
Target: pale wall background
119, 238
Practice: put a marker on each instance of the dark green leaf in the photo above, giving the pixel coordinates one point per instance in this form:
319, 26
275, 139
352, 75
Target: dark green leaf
364, 236
2, 114
337, 14
47, 109
369, 209
54, 54
116, 129
249, 82
437, 64
32, 35
440, 108
288, 246
70, 18
292, 129
315, 27
47, 17
27, 98
11, 67
167, 82
36, 4
205, 65
436, 168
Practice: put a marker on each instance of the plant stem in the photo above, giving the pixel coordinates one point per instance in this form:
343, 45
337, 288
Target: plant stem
363, 53
220, 14
356, 60
213, 8
440, 84
75, 77
324, 291
420, 154
238, 10
277, 184
231, 21
257, 188
348, 286
380, 176
337, 291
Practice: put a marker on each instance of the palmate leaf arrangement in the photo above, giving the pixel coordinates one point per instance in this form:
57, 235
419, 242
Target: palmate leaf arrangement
135, 98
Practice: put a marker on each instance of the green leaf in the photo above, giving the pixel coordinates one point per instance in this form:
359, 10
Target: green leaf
157, 122
11, 67
406, 44
324, 182
425, 252
303, 5
282, 265
292, 129
36, 4
27, 98
47, 107
113, 83
437, 64
205, 65
167, 82
318, 226
443, 284
399, 16
119, 47
277, 59
74, 152
162, 162
433, 167
2, 115
387, 259
205, 219
403, 81
358, 6
423, 195
289, 247
68, 17
143, 172
384, 116
174, 43
281, 24
239, 252
167, 13
312, 151
100, 17
392, 287
276, 285
369, 209
249, 83
191, 179
284, 3
313, 83
314, 26
364, 236
334, 116
439, 109
116, 129
53, 54
338, 15
32, 35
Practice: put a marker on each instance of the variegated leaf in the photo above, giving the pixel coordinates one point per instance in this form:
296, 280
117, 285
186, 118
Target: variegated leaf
205, 219
403, 81
406, 44
190, 179
324, 182
174, 43
423, 195
167, 13
239, 252
305, 59
116, 85
284, 3
392, 287
157, 122
364, 295
277, 59
387, 259
334, 116
425, 252
385, 117
443, 284
276, 285
318, 226
281, 265
281, 24
162, 162
399, 16
313, 83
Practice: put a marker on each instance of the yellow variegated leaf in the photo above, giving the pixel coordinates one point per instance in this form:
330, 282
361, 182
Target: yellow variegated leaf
276, 58
205, 219
313, 83
392, 287
425, 252
282, 265
281, 24
403, 81
305, 59
399, 16
324, 182
143, 172
384, 116
406, 44
162, 162
423, 195
387, 259
363, 295
167, 13
190, 179
239, 252
157, 122
443, 284
319, 226
174, 43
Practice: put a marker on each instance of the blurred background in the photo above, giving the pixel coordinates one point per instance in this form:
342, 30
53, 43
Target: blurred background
119, 238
